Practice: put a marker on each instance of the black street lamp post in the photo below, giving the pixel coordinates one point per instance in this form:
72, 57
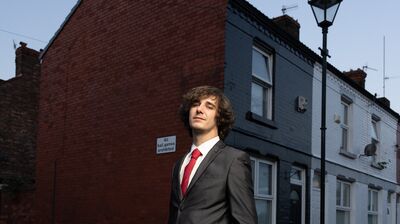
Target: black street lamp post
324, 13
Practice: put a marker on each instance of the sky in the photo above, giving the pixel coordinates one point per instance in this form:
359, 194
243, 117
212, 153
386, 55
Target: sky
33, 22
355, 40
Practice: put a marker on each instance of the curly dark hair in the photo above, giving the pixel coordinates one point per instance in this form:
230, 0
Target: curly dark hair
225, 117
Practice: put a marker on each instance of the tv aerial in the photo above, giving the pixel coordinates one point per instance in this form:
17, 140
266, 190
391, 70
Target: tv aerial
384, 68
288, 7
366, 67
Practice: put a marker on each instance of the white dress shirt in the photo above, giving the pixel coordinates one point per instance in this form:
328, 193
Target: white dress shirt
204, 149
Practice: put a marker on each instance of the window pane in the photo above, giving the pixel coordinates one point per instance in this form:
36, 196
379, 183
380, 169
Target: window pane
346, 195
372, 219
264, 179
264, 211
253, 172
261, 66
257, 99
342, 217
268, 102
374, 131
374, 201
295, 174
338, 190
369, 200
344, 138
345, 110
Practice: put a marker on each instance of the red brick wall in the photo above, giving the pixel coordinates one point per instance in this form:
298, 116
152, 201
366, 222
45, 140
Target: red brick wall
111, 84
18, 117
18, 126
17, 207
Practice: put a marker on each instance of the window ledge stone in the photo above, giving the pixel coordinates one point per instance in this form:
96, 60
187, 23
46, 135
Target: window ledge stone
347, 154
260, 120
377, 166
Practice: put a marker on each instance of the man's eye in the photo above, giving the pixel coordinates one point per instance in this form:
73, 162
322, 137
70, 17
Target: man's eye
210, 106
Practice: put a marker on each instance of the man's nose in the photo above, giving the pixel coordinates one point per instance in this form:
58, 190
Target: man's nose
199, 108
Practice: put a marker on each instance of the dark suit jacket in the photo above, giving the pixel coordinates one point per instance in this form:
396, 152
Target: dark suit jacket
220, 192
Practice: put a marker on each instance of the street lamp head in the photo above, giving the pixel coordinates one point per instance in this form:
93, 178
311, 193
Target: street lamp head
324, 11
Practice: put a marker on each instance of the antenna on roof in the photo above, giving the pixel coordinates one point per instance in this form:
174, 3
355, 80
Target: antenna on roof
288, 7
366, 67
384, 66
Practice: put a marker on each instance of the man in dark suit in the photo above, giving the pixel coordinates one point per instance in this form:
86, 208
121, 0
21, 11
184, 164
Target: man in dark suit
212, 183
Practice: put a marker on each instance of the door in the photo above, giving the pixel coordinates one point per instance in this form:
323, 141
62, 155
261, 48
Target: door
297, 195
295, 203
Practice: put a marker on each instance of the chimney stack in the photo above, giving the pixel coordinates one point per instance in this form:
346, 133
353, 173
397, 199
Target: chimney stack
26, 60
384, 101
358, 76
288, 24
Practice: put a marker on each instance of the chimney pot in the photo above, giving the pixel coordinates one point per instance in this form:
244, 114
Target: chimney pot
358, 76
288, 24
23, 44
384, 101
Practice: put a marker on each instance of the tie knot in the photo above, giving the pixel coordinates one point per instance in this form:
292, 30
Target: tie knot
196, 153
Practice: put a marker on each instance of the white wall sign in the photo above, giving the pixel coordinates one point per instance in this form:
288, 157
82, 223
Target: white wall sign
166, 144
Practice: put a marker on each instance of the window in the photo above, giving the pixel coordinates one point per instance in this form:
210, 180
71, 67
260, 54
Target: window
375, 138
389, 197
345, 125
264, 181
261, 85
389, 203
372, 206
343, 206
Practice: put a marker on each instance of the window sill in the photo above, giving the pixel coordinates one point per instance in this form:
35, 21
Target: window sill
260, 120
347, 154
377, 166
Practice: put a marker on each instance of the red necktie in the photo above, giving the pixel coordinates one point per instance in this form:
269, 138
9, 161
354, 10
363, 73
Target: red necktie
188, 169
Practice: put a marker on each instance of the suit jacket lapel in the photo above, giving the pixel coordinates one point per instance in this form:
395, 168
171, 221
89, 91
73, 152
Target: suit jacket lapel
204, 164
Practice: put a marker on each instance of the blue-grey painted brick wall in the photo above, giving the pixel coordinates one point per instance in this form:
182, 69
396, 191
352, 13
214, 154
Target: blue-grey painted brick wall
292, 78
290, 143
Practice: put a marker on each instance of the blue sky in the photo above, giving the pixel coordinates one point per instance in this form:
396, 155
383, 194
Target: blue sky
355, 39
32, 22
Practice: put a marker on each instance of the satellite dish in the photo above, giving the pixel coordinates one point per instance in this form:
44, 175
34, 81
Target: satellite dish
370, 149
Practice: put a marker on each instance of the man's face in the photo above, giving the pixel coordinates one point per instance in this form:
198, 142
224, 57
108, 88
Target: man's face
202, 116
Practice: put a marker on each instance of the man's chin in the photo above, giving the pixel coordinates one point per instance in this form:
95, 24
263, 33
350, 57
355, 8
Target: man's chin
198, 130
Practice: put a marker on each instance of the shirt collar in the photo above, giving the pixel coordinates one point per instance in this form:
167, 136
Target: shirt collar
206, 146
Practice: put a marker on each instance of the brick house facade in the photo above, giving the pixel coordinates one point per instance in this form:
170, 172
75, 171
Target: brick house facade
111, 84
18, 125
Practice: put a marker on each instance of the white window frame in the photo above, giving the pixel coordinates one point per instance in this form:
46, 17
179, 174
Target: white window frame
266, 85
345, 125
375, 127
341, 206
271, 197
370, 203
